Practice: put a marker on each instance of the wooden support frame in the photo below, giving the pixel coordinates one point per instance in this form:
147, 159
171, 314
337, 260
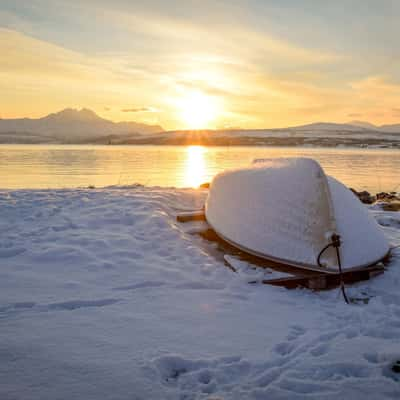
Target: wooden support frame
191, 216
300, 277
327, 281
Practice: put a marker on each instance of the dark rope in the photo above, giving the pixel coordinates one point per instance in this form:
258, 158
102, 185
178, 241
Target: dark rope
336, 244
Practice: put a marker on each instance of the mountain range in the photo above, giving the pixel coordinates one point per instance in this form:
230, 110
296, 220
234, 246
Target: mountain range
85, 126
393, 128
69, 126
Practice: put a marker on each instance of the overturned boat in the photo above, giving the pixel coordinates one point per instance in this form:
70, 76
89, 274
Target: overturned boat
289, 212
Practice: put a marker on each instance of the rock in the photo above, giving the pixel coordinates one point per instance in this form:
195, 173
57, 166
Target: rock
392, 196
388, 201
396, 367
364, 196
390, 206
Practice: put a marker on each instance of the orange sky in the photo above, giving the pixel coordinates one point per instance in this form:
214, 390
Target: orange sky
257, 64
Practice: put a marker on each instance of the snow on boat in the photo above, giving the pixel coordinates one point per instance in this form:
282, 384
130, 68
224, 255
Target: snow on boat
288, 211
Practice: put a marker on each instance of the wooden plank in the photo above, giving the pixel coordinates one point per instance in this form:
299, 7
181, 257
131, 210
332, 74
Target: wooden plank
300, 277
191, 216
223, 246
327, 281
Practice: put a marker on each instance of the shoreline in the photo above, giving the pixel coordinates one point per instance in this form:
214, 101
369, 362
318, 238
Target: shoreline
254, 142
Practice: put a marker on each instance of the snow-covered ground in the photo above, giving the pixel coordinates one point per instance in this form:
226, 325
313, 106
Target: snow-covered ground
103, 295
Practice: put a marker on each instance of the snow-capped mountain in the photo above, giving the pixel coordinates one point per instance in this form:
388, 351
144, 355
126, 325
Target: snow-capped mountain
69, 125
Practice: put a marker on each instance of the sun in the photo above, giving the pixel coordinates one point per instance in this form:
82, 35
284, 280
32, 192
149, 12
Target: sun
197, 110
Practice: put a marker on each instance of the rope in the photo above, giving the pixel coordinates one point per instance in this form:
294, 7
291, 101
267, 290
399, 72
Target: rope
336, 244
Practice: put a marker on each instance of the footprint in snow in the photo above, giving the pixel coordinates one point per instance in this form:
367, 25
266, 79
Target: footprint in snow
11, 252
320, 350
303, 387
64, 306
141, 285
17, 306
295, 332
192, 377
372, 357
76, 304
389, 364
284, 348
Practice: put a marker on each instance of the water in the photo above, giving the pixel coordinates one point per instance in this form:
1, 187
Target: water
57, 166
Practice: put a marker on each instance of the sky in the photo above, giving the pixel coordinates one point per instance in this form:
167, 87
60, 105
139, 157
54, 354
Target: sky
203, 64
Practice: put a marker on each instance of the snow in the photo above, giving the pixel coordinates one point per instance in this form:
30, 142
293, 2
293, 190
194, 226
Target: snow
287, 209
363, 242
277, 207
103, 295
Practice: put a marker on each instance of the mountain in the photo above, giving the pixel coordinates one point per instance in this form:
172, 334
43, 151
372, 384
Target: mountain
69, 126
329, 126
352, 126
363, 124
394, 128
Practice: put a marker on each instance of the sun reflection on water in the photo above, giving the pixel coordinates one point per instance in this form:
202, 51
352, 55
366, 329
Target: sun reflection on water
195, 166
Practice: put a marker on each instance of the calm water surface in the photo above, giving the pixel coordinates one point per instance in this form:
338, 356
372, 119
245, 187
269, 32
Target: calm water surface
68, 166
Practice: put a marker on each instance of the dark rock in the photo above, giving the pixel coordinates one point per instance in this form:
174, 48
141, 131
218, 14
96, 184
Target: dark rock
392, 196
396, 367
391, 206
364, 196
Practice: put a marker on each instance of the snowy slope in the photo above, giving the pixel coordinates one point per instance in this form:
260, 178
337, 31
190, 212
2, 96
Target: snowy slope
104, 296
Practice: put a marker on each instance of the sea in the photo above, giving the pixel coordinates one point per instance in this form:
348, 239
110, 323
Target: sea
81, 166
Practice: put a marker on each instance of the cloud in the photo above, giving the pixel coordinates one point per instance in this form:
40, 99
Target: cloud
213, 90
396, 112
231, 42
133, 53
377, 96
140, 110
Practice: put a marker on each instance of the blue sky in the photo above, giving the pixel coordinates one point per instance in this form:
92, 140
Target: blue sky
249, 64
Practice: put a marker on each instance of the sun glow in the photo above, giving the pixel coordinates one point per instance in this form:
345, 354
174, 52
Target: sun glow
197, 110
195, 167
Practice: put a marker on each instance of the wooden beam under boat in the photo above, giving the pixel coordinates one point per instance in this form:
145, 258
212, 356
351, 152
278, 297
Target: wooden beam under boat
323, 281
191, 216
300, 277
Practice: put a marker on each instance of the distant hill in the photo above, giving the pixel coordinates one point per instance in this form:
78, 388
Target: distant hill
395, 128
363, 124
330, 126
350, 126
69, 126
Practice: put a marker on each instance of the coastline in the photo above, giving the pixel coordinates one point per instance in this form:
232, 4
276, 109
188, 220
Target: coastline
300, 142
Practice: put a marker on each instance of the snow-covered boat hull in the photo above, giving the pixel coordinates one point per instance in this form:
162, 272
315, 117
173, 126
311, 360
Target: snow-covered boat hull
286, 210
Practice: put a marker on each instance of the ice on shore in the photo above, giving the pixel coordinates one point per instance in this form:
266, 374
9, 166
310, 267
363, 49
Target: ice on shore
103, 295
